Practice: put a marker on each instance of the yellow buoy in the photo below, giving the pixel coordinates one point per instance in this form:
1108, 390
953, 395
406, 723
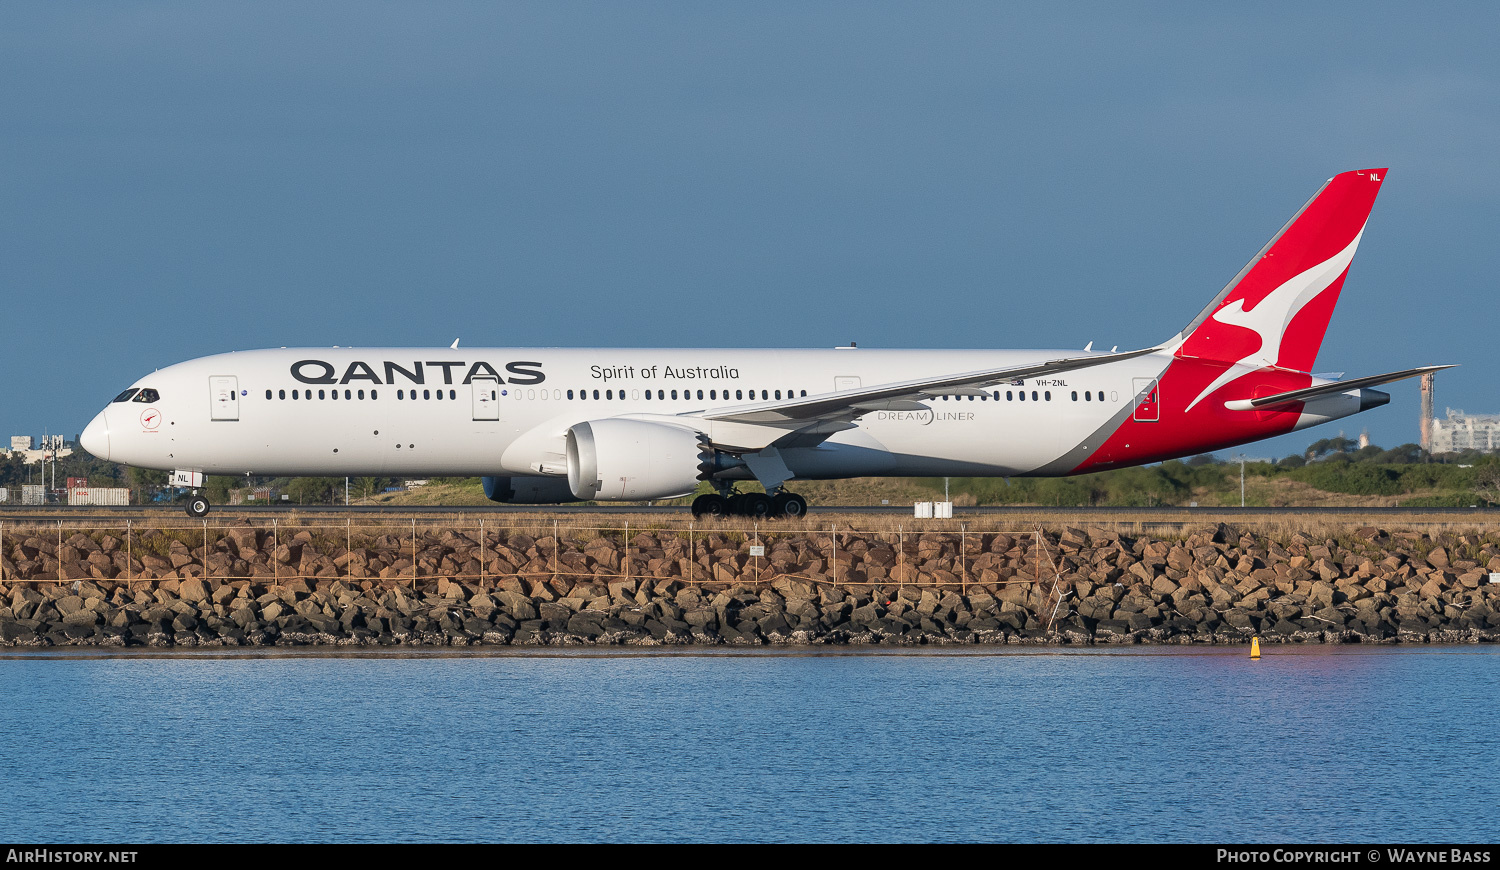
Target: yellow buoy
1254, 647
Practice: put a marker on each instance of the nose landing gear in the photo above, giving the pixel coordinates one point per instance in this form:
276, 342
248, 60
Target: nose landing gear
197, 506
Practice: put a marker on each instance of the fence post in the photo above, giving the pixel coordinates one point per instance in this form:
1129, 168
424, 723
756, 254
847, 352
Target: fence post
349, 548
2, 551
833, 563
414, 555
963, 558
900, 558
275, 545
556, 551
689, 566
627, 551
205, 550
128, 578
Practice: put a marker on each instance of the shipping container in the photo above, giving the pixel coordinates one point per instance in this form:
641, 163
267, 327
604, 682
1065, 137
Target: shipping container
99, 495
33, 494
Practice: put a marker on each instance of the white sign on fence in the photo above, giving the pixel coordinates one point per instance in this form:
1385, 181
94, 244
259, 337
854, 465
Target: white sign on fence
757, 551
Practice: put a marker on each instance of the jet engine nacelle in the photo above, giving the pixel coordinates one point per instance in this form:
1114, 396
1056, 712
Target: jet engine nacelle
632, 460
527, 490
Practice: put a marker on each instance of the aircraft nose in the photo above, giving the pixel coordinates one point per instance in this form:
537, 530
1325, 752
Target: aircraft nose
95, 437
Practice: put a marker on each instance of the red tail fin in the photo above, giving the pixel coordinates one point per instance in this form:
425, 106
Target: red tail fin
1275, 311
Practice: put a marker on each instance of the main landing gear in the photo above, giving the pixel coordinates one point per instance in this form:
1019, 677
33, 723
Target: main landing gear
756, 505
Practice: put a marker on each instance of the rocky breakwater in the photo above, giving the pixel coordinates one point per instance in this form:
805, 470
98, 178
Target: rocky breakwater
245, 586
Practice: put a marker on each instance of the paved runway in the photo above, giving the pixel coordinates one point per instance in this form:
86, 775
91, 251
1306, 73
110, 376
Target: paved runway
74, 515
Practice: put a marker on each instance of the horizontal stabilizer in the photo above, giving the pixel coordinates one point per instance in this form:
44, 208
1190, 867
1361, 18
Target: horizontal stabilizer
1335, 388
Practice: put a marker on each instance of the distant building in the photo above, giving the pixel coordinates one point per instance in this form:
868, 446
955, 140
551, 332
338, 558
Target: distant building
1466, 432
52, 447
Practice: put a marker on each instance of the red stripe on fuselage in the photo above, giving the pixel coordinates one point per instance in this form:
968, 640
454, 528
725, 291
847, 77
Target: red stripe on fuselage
1208, 426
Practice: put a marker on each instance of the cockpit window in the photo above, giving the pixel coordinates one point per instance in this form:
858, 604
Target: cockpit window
125, 396
148, 396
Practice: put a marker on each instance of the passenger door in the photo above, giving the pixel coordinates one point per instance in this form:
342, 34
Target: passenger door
224, 397
1147, 400
486, 393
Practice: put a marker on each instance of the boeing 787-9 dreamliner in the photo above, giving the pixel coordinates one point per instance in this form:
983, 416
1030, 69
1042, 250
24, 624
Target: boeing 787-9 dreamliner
551, 425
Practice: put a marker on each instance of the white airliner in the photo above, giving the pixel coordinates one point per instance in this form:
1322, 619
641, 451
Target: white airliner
549, 425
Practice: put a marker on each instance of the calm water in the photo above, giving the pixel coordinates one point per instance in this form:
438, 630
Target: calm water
1308, 745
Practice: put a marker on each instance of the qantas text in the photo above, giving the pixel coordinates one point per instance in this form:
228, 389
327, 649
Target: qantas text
316, 371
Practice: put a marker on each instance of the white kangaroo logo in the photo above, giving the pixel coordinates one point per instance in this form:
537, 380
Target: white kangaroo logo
1269, 318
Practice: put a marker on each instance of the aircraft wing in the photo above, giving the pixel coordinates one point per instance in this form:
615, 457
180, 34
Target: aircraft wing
848, 405
1334, 388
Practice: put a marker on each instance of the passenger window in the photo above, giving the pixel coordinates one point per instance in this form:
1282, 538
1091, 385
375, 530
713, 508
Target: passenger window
739, 394
346, 394
570, 394
1047, 395
700, 394
373, 395
997, 395
294, 394
283, 393
427, 394
804, 392
361, 395
778, 394
268, 394
400, 394
452, 394
1033, 395
1075, 395
1022, 393
674, 394
148, 396
125, 396
763, 395
713, 394
609, 394
320, 394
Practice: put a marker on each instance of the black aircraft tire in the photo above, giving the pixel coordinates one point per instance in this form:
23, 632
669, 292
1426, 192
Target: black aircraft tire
710, 505
197, 506
789, 505
756, 505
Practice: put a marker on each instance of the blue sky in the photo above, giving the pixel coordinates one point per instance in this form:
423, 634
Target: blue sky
181, 179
